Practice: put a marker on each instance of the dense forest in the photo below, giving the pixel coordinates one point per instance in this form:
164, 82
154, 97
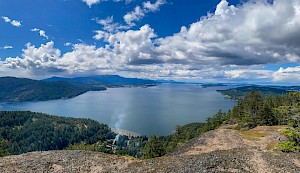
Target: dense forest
20, 89
24, 131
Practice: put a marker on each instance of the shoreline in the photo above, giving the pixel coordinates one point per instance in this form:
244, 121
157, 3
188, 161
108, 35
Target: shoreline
125, 132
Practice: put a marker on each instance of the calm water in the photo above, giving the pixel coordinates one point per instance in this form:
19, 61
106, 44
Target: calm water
154, 110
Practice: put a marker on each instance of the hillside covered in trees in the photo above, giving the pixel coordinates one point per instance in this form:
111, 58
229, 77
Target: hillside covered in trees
14, 89
21, 89
23, 131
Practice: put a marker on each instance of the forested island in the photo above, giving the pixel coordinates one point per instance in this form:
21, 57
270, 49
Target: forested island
14, 89
239, 92
21, 89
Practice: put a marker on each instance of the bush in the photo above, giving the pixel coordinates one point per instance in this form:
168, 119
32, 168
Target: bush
288, 146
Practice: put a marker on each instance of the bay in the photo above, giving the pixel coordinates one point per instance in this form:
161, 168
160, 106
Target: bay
153, 110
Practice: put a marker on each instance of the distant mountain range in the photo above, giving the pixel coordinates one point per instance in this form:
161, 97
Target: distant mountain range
14, 89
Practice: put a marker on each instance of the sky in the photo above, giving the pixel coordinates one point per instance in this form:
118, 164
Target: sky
252, 41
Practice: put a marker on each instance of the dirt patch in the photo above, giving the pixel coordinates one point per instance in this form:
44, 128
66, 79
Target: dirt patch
296, 162
56, 168
260, 164
96, 169
260, 138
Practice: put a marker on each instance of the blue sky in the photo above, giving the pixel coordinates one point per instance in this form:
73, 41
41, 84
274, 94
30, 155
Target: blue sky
195, 40
71, 20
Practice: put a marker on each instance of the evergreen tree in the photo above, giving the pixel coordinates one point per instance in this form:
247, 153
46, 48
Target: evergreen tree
153, 148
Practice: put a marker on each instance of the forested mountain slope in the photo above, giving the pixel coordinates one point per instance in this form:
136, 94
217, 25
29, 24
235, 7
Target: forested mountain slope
24, 131
21, 89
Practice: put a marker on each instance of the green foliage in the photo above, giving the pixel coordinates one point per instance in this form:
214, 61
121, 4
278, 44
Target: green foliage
153, 148
266, 115
99, 146
255, 110
283, 114
131, 146
24, 131
290, 133
4, 148
288, 146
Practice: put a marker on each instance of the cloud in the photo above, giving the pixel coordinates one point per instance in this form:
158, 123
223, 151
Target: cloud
6, 47
240, 35
45, 55
139, 12
126, 1
110, 27
233, 43
12, 22
91, 2
42, 33
290, 74
68, 44
101, 35
249, 74
153, 7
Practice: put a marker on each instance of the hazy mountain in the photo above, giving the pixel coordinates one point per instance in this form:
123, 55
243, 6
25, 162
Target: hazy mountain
104, 80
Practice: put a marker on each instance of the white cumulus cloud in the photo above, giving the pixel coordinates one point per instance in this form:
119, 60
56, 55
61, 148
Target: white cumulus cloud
42, 33
91, 2
12, 22
290, 74
139, 12
234, 42
153, 7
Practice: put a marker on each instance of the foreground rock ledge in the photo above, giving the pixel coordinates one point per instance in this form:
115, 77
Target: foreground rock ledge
222, 150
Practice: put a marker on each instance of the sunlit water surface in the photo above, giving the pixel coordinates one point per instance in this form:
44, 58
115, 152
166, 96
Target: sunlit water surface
153, 110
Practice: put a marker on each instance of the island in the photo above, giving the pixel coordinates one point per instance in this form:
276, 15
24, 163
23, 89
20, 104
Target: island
14, 89
239, 92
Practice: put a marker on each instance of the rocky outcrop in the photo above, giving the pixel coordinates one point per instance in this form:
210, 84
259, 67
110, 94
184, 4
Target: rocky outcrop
222, 150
